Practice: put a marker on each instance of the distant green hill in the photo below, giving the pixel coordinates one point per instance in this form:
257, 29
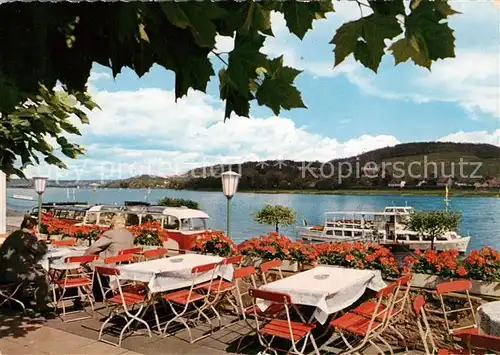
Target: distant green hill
412, 163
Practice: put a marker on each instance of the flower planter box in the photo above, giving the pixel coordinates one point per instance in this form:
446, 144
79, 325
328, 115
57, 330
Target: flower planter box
286, 265
479, 287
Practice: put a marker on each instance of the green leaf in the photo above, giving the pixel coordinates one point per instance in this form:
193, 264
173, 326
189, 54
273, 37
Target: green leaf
365, 38
196, 16
277, 90
243, 60
257, 19
427, 37
407, 48
68, 127
299, 15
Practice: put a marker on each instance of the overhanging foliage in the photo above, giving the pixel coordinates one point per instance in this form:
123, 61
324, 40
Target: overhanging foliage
49, 42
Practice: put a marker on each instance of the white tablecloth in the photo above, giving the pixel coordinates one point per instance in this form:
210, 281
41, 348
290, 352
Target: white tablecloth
488, 318
55, 257
328, 288
172, 273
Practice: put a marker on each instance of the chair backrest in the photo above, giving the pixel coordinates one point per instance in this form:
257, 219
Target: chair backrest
232, 260
423, 325
118, 259
268, 265
443, 289
383, 307
204, 268
401, 296
155, 253
136, 250
64, 243
275, 297
244, 279
84, 259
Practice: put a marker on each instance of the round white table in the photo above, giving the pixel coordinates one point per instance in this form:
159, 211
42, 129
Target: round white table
488, 318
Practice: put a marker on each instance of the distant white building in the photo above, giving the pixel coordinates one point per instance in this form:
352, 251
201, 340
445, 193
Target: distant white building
399, 184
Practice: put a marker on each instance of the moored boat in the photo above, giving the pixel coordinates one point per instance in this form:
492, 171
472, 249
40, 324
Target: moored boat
387, 227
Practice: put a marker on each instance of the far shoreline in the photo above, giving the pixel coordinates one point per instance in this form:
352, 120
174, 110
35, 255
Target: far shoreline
437, 192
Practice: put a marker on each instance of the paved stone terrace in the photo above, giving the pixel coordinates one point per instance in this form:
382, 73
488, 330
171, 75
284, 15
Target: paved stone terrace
36, 335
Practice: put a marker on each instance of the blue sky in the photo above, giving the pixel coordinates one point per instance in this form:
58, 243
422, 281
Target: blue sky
141, 129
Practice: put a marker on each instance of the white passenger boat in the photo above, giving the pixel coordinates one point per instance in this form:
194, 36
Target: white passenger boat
387, 227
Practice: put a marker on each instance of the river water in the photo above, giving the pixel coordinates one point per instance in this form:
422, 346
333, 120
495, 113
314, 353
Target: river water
481, 216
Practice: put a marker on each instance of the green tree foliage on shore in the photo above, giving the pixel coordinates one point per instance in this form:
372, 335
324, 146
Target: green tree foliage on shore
432, 224
46, 43
178, 202
276, 215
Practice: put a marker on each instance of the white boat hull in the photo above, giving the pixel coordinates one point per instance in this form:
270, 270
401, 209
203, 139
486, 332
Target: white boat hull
460, 244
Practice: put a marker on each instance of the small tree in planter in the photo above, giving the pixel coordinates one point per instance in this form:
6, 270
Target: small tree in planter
215, 243
276, 215
434, 223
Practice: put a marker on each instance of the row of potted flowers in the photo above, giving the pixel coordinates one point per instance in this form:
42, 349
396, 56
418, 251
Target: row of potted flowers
428, 267
148, 233
299, 254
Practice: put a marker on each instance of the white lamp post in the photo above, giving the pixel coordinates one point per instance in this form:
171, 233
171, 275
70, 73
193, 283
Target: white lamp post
40, 184
229, 187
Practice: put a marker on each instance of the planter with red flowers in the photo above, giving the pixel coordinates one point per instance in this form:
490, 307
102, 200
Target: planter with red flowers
431, 267
358, 256
149, 235
276, 246
215, 243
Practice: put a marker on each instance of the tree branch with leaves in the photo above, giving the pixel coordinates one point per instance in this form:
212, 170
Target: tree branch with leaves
47, 43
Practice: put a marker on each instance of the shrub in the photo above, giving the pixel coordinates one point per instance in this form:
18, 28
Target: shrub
432, 262
178, 202
272, 246
216, 243
359, 256
483, 264
149, 233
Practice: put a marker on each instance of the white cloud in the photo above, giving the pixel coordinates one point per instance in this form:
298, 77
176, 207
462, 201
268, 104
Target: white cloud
473, 137
146, 132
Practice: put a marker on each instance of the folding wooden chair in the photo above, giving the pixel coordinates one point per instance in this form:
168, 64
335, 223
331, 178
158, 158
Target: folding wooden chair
444, 289
78, 279
281, 328
472, 341
63, 243
8, 294
400, 300
180, 301
244, 279
367, 329
221, 289
121, 303
267, 266
136, 250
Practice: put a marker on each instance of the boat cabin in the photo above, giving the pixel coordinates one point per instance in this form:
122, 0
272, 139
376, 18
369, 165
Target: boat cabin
182, 224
